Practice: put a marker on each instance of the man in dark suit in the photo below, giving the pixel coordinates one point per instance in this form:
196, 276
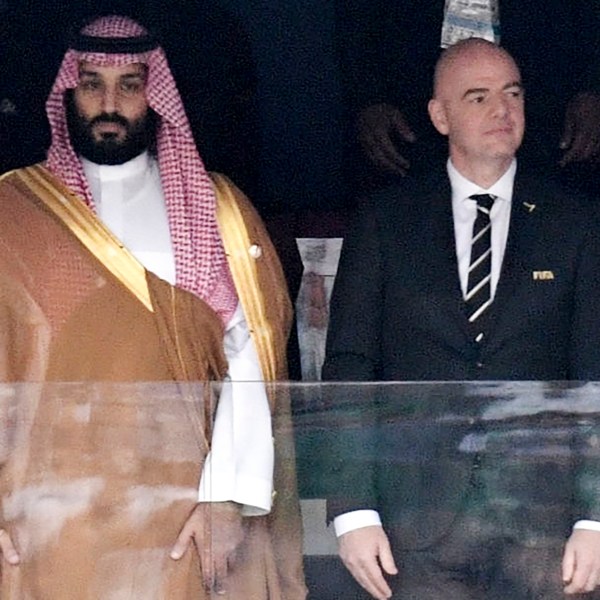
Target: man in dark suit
417, 297
388, 51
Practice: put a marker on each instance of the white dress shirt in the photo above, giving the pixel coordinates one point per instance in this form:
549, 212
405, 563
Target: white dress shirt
464, 211
239, 467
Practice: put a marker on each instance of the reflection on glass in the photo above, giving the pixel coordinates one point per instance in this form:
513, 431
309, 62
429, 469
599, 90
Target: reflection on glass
478, 487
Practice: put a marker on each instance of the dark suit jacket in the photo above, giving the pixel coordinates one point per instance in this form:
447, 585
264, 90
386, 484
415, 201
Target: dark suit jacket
397, 313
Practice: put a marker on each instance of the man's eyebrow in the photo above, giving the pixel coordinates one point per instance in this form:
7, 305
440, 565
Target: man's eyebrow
88, 73
513, 84
472, 91
483, 90
141, 76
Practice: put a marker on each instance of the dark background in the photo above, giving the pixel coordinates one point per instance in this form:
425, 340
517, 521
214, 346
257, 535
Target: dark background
258, 81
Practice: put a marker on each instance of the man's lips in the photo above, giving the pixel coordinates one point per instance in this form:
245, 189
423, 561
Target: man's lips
504, 130
108, 127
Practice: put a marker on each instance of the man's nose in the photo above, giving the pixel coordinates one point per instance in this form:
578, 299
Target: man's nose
501, 106
110, 100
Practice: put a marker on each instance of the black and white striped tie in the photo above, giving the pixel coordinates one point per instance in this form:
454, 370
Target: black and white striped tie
479, 289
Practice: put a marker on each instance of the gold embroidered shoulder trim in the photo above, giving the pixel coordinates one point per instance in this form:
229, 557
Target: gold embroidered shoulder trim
88, 229
237, 243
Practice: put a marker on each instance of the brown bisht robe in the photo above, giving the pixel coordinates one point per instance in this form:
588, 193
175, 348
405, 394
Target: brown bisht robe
97, 476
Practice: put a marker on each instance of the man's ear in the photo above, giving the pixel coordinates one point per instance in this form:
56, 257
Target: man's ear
437, 114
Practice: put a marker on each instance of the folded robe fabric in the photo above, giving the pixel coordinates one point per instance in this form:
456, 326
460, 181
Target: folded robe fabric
98, 476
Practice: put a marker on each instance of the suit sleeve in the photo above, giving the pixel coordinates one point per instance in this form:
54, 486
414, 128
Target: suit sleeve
585, 325
585, 365
587, 475
348, 462
353, 337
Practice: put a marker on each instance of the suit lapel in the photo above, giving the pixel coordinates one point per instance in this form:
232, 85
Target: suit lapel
440, 264
521, 238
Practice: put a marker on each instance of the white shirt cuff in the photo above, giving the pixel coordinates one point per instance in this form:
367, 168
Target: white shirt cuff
590, 525
355, 520
239, 467
253, 493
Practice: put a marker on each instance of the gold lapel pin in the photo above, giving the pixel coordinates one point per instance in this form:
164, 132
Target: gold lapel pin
529, 207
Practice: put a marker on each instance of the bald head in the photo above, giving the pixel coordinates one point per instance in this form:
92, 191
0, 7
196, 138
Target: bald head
463, 52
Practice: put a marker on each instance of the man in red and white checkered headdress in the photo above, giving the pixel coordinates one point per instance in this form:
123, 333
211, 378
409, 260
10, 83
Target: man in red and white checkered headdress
128, 191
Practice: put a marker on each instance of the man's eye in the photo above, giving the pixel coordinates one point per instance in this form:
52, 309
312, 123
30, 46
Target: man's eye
477, 99
89, 85
131, 87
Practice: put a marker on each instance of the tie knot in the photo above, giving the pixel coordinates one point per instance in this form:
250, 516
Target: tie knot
485, 201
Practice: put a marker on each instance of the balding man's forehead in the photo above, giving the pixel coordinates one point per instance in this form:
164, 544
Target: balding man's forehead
456, 60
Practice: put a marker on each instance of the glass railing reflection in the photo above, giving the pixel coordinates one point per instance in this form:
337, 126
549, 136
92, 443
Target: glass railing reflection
478, 487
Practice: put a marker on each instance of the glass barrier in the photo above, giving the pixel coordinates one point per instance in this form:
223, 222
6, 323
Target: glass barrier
478, 487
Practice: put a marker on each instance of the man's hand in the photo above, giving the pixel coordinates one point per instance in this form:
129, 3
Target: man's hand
8, 550
377, 126
365, 552
581, 562
216, 530
581, 134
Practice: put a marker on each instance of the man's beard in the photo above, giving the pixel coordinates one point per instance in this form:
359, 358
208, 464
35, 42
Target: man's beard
140, 135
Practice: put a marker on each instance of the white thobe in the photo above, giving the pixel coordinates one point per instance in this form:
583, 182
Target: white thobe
239, 467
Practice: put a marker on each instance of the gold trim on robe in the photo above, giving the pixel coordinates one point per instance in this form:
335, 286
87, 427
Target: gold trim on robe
257, 274
88, 229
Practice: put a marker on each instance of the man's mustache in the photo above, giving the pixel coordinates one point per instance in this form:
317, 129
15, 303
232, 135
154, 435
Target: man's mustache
109, 118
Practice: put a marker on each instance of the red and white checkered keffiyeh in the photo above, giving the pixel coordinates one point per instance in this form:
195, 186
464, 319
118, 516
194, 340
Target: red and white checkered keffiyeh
200, 260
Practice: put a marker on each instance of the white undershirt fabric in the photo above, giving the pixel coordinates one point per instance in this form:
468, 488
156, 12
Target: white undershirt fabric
239, 467
464, 213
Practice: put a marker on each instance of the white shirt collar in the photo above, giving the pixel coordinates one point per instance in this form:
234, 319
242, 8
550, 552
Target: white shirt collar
131, 168
462, 187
